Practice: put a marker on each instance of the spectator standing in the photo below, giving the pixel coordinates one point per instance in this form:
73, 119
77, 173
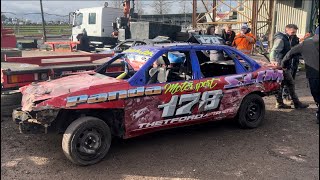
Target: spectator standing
228, 35
244, 40
309, 49
282, 45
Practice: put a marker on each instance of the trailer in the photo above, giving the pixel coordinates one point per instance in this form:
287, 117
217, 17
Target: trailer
20, 71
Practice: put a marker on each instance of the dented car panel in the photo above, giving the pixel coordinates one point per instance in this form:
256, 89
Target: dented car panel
150, 107
146, 114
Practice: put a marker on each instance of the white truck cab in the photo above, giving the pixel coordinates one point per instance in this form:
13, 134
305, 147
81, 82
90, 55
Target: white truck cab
97, 21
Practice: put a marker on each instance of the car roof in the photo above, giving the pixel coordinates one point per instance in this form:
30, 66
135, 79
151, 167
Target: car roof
186, 46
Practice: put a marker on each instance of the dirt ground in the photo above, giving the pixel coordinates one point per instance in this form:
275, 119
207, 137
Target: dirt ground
285, 147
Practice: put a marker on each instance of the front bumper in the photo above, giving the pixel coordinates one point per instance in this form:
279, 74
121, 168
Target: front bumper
34, 122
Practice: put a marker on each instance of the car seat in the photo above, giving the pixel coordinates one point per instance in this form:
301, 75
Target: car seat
160, 73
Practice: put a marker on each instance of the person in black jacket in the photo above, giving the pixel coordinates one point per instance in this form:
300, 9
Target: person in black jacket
84, 41
309, 49
228, 35
282, 45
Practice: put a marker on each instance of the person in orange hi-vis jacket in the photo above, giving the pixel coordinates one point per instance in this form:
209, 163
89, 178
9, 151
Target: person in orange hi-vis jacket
244, 40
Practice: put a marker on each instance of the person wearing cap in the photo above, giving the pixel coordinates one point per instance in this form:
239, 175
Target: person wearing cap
244, 40
282, 45
309, 49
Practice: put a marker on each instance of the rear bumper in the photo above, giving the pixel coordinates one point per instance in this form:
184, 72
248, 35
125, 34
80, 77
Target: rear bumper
29, 124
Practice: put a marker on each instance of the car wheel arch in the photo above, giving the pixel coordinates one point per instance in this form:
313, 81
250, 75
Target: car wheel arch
114, 118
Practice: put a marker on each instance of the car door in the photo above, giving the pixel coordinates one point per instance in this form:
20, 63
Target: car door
167, 104
218, 102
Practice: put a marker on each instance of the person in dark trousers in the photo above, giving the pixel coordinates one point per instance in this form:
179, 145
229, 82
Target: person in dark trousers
295, 59
282, 45
228, 35
84, 41
309, 49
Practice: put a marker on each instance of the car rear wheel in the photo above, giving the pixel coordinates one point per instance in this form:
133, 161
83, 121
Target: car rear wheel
252, 111
86, 141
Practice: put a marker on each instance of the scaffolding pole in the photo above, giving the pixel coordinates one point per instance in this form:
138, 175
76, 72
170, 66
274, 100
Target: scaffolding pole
273, 23
43, 23
214, 10
254, 18
194, 14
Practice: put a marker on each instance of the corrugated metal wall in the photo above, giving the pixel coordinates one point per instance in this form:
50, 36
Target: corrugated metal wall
286, 14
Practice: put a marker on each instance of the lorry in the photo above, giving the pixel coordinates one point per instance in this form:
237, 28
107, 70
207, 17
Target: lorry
20, 71
97, 22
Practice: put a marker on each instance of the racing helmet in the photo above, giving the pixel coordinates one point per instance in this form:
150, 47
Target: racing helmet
176, 59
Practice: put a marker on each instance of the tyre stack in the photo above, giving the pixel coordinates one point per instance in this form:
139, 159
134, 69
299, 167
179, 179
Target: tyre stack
9, 102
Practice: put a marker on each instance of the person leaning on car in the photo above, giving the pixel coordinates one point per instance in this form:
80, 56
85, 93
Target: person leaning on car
309, 49
282, 45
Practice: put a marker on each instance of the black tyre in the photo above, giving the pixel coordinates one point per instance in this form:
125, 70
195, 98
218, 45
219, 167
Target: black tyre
6, 111
11, 99
252, 111
86, 141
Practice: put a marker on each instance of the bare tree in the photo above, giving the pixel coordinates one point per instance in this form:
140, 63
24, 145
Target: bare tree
139, 7
185, 6
116, 3
161, 6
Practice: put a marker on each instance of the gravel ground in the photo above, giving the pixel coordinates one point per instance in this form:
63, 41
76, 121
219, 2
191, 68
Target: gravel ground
285, 147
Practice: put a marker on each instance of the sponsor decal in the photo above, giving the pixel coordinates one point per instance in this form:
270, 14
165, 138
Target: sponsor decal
111, 96
138, 51
183, 105
170, 121
216, 113
184, 119
247, 79
190, 86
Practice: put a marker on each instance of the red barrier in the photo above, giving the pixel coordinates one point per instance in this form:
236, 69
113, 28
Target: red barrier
8, 39
58, 60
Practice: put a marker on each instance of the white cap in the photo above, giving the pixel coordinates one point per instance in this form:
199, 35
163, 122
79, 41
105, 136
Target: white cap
244, 26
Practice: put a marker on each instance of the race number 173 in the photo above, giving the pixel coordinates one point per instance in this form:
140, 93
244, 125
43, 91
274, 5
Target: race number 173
184, 104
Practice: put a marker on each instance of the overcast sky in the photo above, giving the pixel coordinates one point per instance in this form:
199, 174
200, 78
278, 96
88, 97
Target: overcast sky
20, 7
53, 7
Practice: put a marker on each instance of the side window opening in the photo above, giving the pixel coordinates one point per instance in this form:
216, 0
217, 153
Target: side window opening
242, 62
92, 18
78, 19
139, 43
171, 67
215, 63
117, 68
126, 45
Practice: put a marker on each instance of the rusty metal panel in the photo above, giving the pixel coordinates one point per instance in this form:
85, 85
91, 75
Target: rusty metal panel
286, 14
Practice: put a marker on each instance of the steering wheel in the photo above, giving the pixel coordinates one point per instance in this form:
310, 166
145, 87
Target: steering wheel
126, 71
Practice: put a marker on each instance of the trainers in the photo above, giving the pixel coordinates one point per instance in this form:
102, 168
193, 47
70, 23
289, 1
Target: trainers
289, 102
282, 106
300, 105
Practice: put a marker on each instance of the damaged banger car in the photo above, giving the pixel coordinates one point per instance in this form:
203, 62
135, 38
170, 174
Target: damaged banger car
147, 89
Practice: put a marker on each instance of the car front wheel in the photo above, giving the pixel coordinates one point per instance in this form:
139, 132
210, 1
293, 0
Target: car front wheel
252, 111
86, 141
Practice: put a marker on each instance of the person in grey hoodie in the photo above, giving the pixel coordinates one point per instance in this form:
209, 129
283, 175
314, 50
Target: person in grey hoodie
309, 49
